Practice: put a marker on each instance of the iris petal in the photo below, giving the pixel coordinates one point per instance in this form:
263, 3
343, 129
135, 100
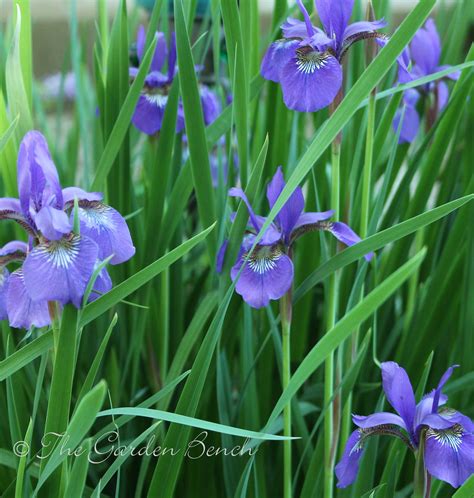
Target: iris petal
108, 229
310, 80
268, 274
399, 391
23, 312
346, 470
276, 56
60, 270
449, 454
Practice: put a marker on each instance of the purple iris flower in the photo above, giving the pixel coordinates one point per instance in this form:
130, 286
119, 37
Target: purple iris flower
57, 263
151, 105
424, 53
307, 62
268, 272
447, 434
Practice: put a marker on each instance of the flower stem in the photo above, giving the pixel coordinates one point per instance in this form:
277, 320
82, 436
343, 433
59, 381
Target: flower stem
329, 432
367, 176
285, 314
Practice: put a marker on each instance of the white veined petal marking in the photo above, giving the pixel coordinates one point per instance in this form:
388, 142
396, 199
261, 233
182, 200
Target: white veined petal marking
264, 259
96, 216
156, 99
451, 437
309, 60
60, 253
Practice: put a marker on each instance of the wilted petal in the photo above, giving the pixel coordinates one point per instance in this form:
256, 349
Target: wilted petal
360, 27
449, 454
426, 47
335, 15
347, 469
380, 418
268, 274
60, 270
276, 56
38, 180
346, 235
108, 229
52, 223
23, 312
289, 214
399, 391
410, 124
310, 80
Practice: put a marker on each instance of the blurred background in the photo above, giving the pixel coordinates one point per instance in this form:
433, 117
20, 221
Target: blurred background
51, 25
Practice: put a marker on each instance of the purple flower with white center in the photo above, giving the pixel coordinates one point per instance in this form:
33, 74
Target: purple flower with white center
151, 105
448, 435
57, 263
268, 271
307, 62
425, 54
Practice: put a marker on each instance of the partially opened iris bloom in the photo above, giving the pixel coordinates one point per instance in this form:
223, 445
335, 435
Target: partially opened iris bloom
424, 54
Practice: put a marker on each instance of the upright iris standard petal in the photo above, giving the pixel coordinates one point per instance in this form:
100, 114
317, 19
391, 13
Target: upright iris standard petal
38, 180
347, 469
335, 15
399, 391
294, 28
449, 454
310, 80
442, 382
276, 57
160, 54
60, 270
24, 312
52, 223
291, 211
268, 274
426, 47
108, 229
272, 234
